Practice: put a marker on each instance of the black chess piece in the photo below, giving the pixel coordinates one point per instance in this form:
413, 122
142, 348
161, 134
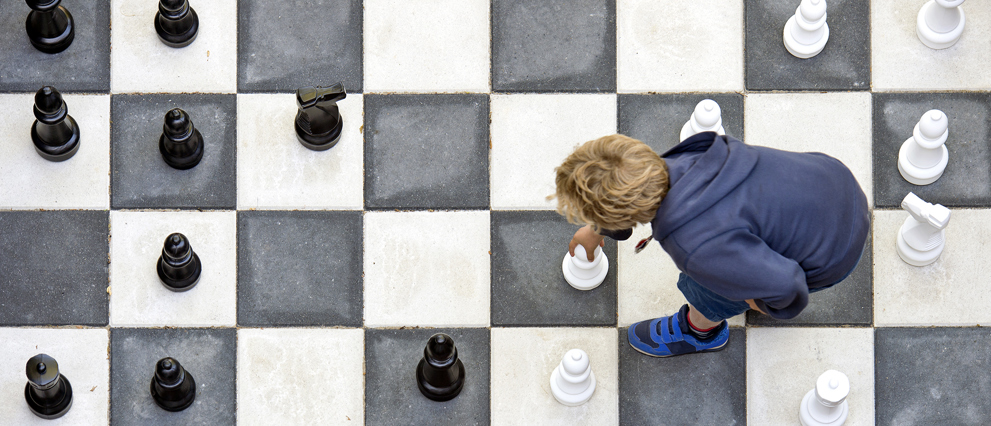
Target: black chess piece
50, 26
318, 122
440, 375
48, 393
181, 144
179, 267
55, 133
176, 23
172, 387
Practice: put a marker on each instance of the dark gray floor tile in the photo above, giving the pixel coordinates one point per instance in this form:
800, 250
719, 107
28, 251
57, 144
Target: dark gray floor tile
391, 394
851, 302
657, 119
698, 389
209, 355
299, 268
932, 376
844, 64
53, 268
285, 45
427, 151
966, 182
83, 67
554, 45
140, 178
528, 287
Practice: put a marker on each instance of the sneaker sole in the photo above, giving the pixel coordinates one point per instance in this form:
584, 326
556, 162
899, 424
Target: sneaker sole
715, 349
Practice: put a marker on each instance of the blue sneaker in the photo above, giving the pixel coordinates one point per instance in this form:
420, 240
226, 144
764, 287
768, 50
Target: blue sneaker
669, 336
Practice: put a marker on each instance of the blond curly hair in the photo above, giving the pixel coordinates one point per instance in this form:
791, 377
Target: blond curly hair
613, 182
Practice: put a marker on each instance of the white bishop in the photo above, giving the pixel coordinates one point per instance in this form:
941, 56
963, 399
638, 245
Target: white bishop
806, 32
940, 23
581, 273
572, 382
923, 157
707, 117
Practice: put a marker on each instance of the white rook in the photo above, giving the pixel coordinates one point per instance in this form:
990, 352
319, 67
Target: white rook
806, 32
826, 403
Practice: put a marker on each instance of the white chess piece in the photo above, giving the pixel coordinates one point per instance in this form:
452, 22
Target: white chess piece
707, 117
923, 235
806, 32
940, 23
826, 403
572, 382
581, 273
923, 157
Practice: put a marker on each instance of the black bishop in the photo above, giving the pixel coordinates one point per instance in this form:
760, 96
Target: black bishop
55, 134
172, 387
179, 267
181, 144
176, 23
440, 375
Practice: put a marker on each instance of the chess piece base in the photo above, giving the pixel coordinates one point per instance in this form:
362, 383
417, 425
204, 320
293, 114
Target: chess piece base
800, 50
52, 412
178, 40
440, 394
54, 44
806, 417
184, 284
933, 39
184, 163
320, 142
916, 175
179, 405
57, 153
915, 257
687, 131
569, 399
584, 284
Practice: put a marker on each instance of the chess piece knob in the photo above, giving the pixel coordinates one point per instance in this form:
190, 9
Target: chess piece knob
55, 133
582, 274
181, 145
318, 122
172, 387
440, 375
50, 26
179, 267
572, 381
47, 392
176, 23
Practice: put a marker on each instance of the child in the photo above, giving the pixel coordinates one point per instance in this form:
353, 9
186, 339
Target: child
749, 227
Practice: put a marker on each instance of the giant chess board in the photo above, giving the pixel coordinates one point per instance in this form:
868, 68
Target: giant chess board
324, 273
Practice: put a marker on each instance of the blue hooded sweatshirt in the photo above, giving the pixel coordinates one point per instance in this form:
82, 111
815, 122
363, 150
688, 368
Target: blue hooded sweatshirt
749, 222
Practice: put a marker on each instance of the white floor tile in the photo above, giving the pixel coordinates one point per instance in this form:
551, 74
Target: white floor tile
522, 362
784, 363
533, 134
300, 376
138, 297
275, 171
677, 46
140, 62
836, 124
29, 181
950, 291
426, 46
82, 356
427, 269
900, 62
648, 282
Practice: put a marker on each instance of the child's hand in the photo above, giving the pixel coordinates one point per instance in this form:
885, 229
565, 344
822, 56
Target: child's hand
588, 239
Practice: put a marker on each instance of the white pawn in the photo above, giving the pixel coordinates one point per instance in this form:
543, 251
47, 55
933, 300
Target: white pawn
940, 23
826, 403
572, 382
923, 235
581, 273
806, 32
707, 117
923, 157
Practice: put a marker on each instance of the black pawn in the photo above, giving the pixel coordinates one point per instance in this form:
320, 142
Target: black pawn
440, 375
318, 122
54, 133
181, 144
172, 387
176, 23
50, 26
48, 393
179, 267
